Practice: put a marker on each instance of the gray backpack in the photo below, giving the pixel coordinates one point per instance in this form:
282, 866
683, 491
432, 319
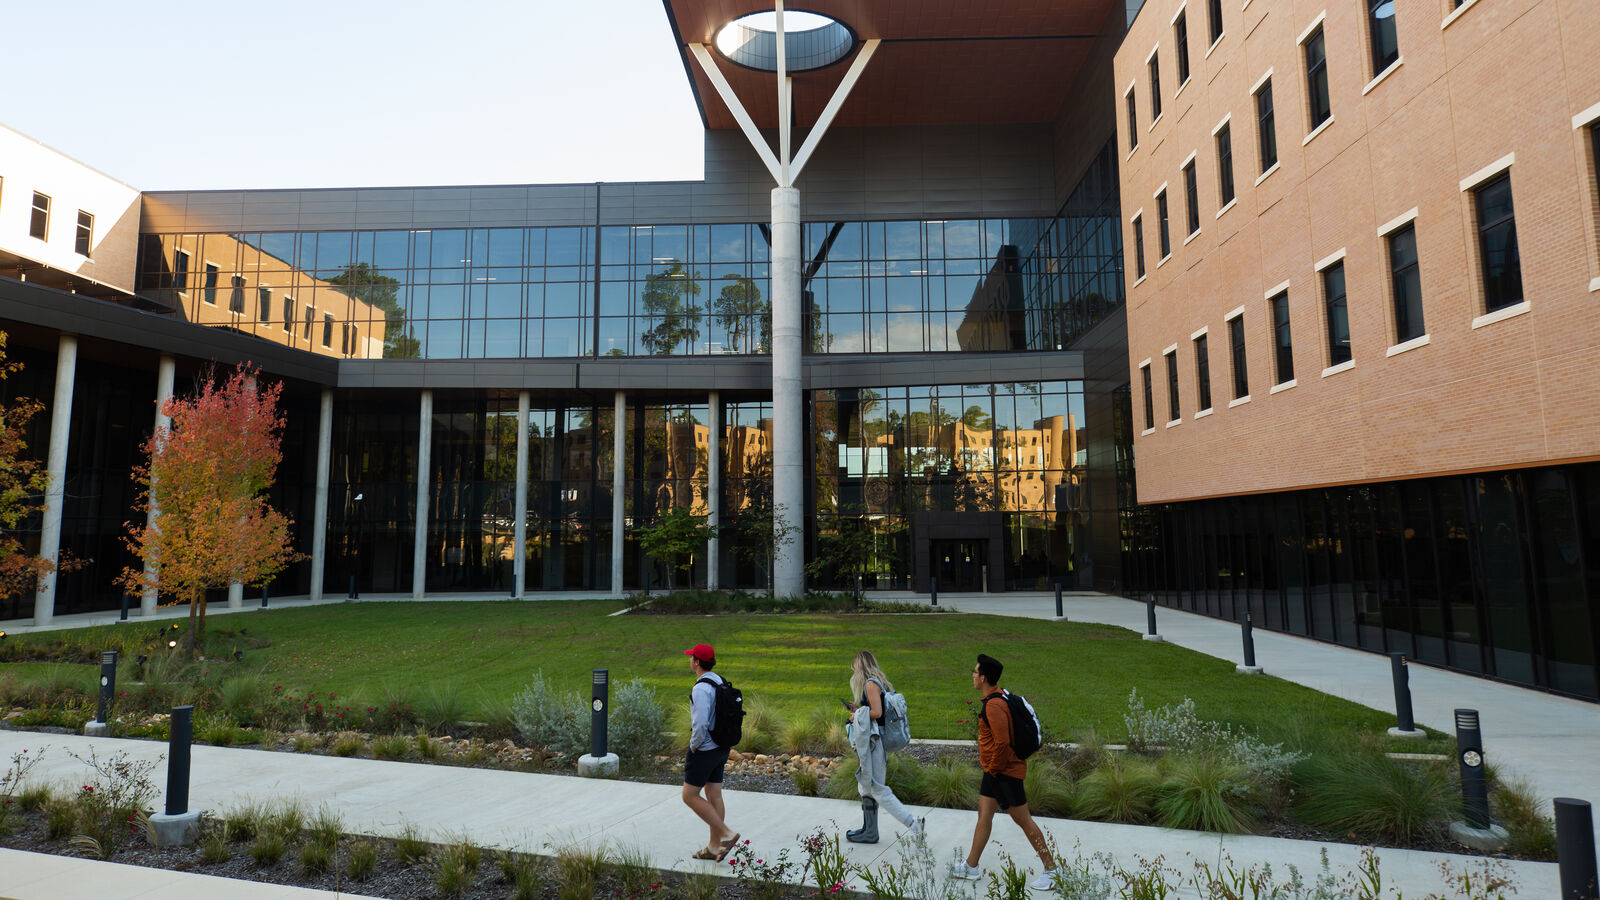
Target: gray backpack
894, 728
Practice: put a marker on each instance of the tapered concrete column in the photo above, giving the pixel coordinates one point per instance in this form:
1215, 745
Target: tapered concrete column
319, 516
714, 489
619, 484
164, 377
788, 472
44, 602
519, 528
419, 550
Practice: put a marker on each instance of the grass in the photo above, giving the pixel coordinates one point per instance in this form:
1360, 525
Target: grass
1374, 797
1076, 675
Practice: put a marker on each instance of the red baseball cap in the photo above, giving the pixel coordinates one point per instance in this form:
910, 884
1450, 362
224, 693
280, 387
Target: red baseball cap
702, 652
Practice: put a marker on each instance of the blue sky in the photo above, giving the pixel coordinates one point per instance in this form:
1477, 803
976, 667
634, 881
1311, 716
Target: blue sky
339, 93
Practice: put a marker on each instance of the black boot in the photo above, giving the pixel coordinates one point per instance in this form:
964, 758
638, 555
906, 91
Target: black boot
868, 832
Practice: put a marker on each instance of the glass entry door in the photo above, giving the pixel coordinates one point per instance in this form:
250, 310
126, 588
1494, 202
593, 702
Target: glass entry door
959, 565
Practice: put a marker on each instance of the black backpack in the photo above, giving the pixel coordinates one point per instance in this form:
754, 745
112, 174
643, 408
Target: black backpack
727, 713
1027, 735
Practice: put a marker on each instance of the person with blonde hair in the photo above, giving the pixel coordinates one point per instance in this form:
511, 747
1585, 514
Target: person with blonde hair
868, 683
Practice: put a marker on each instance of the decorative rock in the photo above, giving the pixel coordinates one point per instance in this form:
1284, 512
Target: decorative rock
599, 766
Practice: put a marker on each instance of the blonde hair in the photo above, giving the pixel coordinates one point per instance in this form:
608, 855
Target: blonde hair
864, 667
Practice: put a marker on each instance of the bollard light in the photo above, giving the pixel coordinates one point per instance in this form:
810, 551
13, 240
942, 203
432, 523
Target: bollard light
263, 596
108, 685
126, 597
1058, 601
1469, 753
1248, 633
933, 591
1575, 849
597, 717
1405, 722
1150, 614
179, 740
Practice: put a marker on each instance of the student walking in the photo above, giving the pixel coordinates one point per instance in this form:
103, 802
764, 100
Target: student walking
868, 683
704, 762
1003, 771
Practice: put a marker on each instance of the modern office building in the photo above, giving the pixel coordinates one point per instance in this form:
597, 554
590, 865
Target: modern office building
894, 308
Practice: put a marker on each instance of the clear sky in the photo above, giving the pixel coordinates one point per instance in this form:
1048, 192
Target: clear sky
340, 93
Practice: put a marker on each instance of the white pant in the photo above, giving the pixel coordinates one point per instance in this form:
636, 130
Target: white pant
870, 783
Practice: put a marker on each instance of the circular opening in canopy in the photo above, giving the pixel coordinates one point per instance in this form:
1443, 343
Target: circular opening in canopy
811, 41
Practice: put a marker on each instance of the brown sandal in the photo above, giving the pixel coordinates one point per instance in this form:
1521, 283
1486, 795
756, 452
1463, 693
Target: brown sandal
706, 853
728, 843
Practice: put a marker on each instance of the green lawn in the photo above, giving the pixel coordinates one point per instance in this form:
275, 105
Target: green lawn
1077, 675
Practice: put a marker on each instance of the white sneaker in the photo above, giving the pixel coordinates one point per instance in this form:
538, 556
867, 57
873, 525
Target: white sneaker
918, 826
965, 872
1045, 882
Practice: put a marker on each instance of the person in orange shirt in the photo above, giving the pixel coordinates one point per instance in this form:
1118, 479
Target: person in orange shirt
1003, 772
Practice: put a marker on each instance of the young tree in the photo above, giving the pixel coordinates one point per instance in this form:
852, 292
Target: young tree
22, 486
675, 537
210, 472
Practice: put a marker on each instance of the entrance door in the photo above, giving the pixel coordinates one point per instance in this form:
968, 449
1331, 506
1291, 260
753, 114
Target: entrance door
959, 565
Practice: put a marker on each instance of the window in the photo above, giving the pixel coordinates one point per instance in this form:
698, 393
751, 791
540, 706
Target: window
344, 340
1155, 87
1214, 8
1381, 31
1497, 244
1407, 285
85, 240
288, 314
211, 284
263, 304
327, 330
39, 225
1138, 246
236, 294
1180, 37
1241, 374
1202, 372
1225, 165
311, 320
1317, 79
1266, 128
1149, 399
1133, 120
1191, 194
1594, 149
1162, 229
180, 270
1283, 341
1338, 316
1174, 410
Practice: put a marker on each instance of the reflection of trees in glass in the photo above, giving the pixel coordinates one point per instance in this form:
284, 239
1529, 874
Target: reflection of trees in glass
362, 281
668, 301
738, 309
977, 418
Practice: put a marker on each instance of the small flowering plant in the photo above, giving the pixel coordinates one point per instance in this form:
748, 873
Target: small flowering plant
825, 861
767, 876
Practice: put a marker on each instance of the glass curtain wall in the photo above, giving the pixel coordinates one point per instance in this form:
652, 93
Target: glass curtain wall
472, 493
375, 458
667, 470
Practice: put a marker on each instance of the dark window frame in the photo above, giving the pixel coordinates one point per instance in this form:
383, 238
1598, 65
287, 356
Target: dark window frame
1498, 286
1149, 399
1202, 372
1405, 284
327, 330
1224, 144
212, 273
1266, 127
1336, 313
263, 303
1240, 359
1319, 101
1191, 195
236, 285
1180, 40
1174, 400
39, 219
1383, 39
1138, 246
180, 270
83, 242
1163, 224
1153, 66
288, 315
1214, 14
1132, 99
1282, 337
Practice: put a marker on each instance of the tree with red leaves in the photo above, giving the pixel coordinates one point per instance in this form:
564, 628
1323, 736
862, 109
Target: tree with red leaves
208, 475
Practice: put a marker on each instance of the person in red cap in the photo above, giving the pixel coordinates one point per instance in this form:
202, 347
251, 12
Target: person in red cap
704, 762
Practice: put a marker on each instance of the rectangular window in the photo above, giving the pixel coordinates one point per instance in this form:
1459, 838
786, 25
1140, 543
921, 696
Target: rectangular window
236, 294
85, 241
344, 340
311, 320
288, 314
1225, 165
1133, 121
1149, 399
1138, 246
1381, 31
327, 330
1202, 372
1338, 316
1282, 339
39, 225
263, 304
180, 270
1497, 244
1241, 374
1174, 409
1191, 194
211, 284
1214, 7
1180, 38
1266, 127
1162, 229
1317, 79
1407, 285
1594, 149
1155, 87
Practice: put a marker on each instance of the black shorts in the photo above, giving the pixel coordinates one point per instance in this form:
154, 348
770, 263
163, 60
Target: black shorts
701, 766
1003, 788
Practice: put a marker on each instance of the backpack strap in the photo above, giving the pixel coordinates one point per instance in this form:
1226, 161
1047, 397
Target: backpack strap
983, 711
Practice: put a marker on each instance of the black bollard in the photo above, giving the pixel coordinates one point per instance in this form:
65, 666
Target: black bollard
108, 684
1575, 849
597, 718
352, 595
1059, 614
1402, 692
181, 737
263, 596
1469, 752
1248, 632
124, 616
933, 591
1150, 614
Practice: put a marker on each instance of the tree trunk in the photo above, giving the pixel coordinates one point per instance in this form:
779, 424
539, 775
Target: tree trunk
194, 610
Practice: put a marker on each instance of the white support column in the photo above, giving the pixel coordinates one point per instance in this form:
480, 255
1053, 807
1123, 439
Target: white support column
236, 588
419, 547
619, 484
44, 602
165, 370
788, 437
519, 528
319, 516
714, 489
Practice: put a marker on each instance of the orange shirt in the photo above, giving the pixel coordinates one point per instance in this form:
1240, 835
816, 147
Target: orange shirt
994, 740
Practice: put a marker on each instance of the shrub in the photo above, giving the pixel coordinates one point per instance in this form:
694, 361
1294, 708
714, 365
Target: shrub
577, 870
286, 820
806, 781
427, 747
1375, 797
243, 823
1521, 812
804, 735
315, 859
326, 829
638, 723
1179, 730
842, 786
522, 872
948, 782
240, 697
395, 746
411, 846
1049, 787
60, 818
559, 724
118, 790
268, 848
633, 869
347, 743
1123, 791
440, 706
360, 860
1205, 792
220, 734
35, 797
457, 868
760, 729
305, 743
214, 847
